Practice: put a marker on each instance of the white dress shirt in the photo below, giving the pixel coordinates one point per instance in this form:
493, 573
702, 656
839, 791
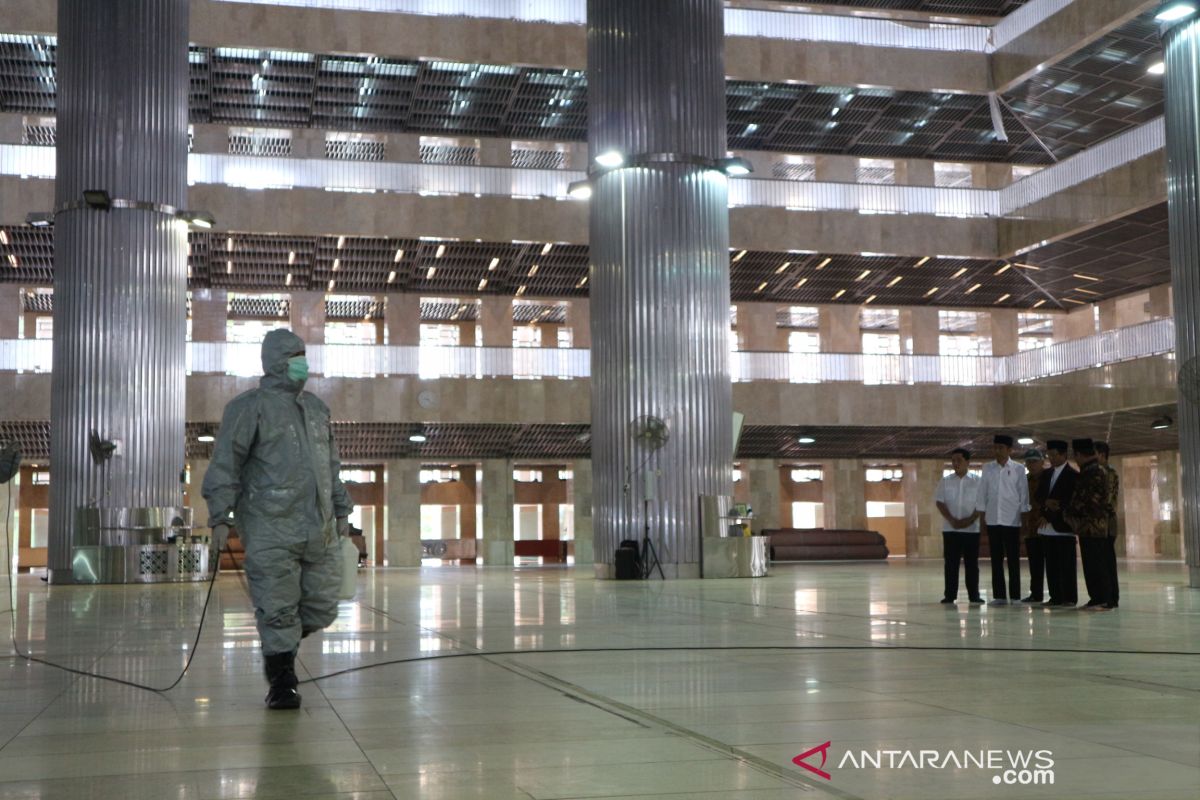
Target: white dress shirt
959, 495
1003, 493
1047, 529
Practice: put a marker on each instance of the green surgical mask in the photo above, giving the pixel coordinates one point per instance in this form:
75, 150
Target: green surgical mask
297, 369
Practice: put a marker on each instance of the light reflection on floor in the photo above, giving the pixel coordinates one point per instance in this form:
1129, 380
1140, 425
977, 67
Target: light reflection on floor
686, 689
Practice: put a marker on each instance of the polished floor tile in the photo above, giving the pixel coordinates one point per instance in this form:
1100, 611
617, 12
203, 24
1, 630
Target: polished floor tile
544, 683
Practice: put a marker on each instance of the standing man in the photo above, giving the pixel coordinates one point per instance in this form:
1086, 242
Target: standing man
1035, 465
1088, 514
1114, 497
956, 496
1003, 498
1057, 539
274, 475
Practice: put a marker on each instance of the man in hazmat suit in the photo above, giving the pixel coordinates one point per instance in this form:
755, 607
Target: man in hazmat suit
274, 476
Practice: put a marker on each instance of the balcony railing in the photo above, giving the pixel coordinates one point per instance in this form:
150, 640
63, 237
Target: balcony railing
366, 361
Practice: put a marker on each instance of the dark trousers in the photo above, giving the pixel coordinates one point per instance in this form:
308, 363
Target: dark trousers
1060, 568
1005, 541
1092, 551
1110, 556
959, 545
1037, 565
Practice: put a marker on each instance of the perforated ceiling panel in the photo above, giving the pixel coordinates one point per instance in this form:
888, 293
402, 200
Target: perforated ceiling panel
989, 8
1112, 259
1126, 431
368, 93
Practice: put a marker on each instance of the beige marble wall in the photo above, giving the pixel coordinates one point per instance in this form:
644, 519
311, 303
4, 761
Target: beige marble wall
402, 315
1138, 508
210, 315
1169, 525
581, 498
844, 494
920, 331
836, 169
10, 310
758, 329
1004, 331
840, 329
497, 496
922, 522
308, 316
403, 492
1160, 302
991, 176
496, 320
765, 490
1142, 383
579, 320
1076, 324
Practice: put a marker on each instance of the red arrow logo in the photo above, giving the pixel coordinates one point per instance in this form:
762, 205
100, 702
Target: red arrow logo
823, 749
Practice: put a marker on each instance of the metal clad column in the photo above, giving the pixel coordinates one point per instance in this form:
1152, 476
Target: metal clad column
1183, 194
660, 286
120, 276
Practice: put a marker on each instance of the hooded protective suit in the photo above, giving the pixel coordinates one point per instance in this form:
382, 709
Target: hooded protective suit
275, 466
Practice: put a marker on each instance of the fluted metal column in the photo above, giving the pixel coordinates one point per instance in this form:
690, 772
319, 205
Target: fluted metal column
1182, 59
120, 276
660, 281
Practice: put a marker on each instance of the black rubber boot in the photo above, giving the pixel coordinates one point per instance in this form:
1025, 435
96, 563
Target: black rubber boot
281, 674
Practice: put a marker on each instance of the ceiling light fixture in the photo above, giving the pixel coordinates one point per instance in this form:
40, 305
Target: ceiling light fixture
521, 291
610, 159
1157, 68
228, 244
801, 282
206, 438
1088, 291
839, 293
4, 238
895, 280
329, 288
1085, 277
35, 219
399, 255
1003, 297
199, 219
97, 199
580, 190
959, 274
482, 284
1004, 269
734, 166
923, 261
783, 267
441, 251
738, 257
825, 263
1025, 441
533, 270
341, 242
392, 276
806, 440
288, 280
869, 299
931, 291
418, 438
429, 273
1162, 423
228, 267
337, 264
1039, 304
291, 256
761, 286
547, 248
863, 275
1175, 10
973, 288
495, 263
12, 261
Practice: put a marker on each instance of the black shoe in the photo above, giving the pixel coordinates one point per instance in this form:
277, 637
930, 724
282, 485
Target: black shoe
1051, 603
1091, 603
947, 599
1032, 599
280, 669
977, 601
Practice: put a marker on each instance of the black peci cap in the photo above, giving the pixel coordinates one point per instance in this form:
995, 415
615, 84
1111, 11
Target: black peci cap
1000, 438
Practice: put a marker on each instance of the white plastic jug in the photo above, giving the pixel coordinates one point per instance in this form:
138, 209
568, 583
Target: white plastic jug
349, 569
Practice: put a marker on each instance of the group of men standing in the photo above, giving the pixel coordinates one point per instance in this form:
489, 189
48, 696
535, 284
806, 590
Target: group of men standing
1050, 507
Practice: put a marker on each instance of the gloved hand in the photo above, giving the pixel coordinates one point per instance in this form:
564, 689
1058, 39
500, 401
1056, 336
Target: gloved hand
343, 526
220, 537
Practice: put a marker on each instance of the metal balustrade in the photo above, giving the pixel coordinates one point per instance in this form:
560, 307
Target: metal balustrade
267, 172
368, 361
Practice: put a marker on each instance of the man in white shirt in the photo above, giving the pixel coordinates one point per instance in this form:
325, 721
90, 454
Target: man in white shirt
1003, 498
956, 497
